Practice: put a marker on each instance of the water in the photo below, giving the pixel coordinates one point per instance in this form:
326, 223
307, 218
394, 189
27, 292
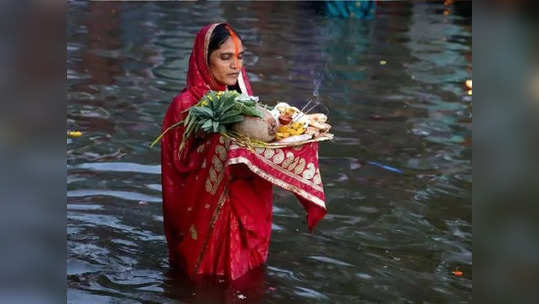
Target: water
398, 176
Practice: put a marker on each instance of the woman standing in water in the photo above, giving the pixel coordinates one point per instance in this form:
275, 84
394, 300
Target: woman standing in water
217, 219
217, 212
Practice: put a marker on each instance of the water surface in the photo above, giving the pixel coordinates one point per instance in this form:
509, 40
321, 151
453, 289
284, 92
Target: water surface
397, 177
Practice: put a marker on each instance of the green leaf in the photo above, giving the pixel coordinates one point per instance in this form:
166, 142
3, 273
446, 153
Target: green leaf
248, 103
207, 125
232, 120
202, 111
227, 108
215, 126
230, 114
231, 94
211, 100
187, 121
164, 132
213, 96
222, 102
238, 106
229, 99
251, 111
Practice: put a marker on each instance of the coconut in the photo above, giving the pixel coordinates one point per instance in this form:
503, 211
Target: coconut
263, 129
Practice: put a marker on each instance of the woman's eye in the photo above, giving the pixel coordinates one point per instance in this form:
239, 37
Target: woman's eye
228, 57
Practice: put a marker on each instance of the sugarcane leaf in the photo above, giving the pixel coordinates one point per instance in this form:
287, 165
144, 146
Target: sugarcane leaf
215, 126
227, 108
238, 106
210, 100
202, 111
230, 114
221, 101
217, 108
187, 132
232, 120
207, 125
164, 132
251, 111
230, 94
192, 125
248, 103
212, 96
230, 99
189, 127
196, 128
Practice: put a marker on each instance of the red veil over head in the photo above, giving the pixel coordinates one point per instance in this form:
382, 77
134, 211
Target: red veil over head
217, 197
199, 79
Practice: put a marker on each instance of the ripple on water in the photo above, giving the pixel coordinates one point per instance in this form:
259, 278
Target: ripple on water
283, 273
119, 167
126, 195
309, 293
275, 227
83, 296
77, 267
364, 276
329, 260
156, 187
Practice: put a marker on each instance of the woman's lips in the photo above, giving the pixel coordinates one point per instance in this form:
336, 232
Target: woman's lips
233, 74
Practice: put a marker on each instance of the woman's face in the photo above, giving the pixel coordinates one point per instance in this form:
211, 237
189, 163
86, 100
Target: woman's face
223, 67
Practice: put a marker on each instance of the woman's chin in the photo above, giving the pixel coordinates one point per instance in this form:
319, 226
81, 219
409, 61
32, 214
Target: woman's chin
231, 82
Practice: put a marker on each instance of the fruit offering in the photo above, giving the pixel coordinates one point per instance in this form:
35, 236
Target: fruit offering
294, 128
293, 122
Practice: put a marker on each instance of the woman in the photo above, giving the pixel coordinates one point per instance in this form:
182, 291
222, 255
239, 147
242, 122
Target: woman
217, 213
224, 231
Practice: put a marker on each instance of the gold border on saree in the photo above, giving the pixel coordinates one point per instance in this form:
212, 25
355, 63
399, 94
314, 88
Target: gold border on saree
284, 171
276, 181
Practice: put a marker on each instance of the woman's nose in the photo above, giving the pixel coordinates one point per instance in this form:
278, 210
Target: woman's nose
236, 64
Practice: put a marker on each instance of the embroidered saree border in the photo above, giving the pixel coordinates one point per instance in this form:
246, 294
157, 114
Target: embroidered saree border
213, 220
286, 172
206, 46
283, 170
276, 181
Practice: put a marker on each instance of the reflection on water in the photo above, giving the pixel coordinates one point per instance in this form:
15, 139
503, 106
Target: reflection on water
398, 176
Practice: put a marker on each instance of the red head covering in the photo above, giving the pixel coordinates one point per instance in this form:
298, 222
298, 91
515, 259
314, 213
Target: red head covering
199, 79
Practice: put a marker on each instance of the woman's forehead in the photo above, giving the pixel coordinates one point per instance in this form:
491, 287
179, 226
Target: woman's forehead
228, 46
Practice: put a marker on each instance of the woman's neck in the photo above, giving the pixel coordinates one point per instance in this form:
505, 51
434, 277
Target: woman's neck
234, 87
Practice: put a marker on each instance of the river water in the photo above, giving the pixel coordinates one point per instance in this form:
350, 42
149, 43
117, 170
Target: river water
397, 177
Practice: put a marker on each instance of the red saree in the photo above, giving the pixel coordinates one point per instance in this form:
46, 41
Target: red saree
217, 197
